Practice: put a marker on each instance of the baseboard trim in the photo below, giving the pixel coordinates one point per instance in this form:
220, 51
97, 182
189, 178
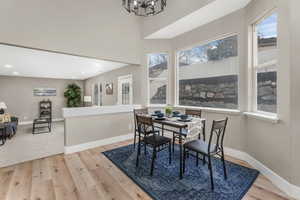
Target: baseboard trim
281, 183
31, 122
98, 143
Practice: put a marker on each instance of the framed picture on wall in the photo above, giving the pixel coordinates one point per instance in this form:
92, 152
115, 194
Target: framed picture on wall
109, 89
44, 92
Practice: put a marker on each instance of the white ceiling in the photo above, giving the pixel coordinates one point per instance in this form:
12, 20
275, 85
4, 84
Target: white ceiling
206, 14
16, 61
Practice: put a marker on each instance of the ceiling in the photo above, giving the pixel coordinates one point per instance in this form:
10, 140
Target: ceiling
17, 61
205, 15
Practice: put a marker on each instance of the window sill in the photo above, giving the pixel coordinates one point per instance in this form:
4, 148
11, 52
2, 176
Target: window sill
213, 110
273, 118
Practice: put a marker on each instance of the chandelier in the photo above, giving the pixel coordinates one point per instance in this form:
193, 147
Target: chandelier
145, 7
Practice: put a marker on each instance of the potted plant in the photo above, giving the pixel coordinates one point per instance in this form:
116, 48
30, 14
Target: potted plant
168, 110
73, 95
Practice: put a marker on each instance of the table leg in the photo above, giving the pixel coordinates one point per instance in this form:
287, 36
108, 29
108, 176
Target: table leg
203, 129
180, 153
162, 130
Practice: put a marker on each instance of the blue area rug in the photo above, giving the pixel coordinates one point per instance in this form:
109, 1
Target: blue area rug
166, 185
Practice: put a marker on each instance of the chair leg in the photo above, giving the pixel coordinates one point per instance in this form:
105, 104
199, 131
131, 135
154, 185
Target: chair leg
170, 153
197, 159
173, 142
204, 161
138, 153
211, 173
134, 140
184, 158
224, 165
145, 148
153, 160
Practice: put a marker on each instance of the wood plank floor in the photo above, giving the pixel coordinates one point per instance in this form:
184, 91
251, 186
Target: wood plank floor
89, 175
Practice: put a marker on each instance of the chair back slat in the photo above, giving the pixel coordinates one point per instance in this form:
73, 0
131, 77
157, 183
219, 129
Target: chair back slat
139, 111
193, 113
218, 131
144, 123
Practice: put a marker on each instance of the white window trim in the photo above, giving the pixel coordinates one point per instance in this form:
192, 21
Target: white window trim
253, 67
176, 92
273, 118
167, 79
129, 79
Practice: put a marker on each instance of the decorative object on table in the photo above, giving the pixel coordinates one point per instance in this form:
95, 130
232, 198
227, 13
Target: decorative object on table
210, 149
44, 92
160, 116
144, 7
109, 90
176, 114
73, 95
168, 111
87, 100
41, 126
3, 107
166, 185
156, 112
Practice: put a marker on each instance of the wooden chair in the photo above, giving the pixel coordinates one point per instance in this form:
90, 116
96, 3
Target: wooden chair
209, 149
136, 112
151, 139
192, 113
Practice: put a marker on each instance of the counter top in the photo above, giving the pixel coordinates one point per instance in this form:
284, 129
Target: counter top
98, 110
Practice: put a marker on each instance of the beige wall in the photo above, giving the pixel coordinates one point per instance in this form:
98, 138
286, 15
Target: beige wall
99, 28
295, 82
112, 76
173, 12
271, 143
17, 93
98, 127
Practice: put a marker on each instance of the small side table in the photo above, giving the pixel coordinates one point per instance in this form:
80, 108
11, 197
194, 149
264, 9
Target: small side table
41, 126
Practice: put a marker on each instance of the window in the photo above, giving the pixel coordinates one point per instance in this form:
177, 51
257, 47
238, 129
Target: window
125, 90
208, 75
158, 78
265, 54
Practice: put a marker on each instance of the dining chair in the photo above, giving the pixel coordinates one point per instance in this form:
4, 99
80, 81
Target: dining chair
136, 112
151, 139
209, 149
192, 113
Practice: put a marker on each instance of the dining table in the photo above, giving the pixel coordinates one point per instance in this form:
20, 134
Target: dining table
184, 128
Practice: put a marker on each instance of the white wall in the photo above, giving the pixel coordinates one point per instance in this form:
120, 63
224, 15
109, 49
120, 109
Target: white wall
175, 10
94, 28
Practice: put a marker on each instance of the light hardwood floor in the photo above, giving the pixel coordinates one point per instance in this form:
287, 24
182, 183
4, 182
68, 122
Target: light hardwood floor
89, 175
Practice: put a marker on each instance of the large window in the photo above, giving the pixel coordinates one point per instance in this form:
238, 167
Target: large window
265, 54
158, 78
208, 75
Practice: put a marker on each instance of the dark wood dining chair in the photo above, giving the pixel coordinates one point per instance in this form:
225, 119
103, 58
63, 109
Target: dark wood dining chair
135, 113
209, 149
151, 139
191, 113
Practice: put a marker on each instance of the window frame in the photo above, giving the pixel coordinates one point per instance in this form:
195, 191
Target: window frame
255, 66
166, 79
204, 42
128, 79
